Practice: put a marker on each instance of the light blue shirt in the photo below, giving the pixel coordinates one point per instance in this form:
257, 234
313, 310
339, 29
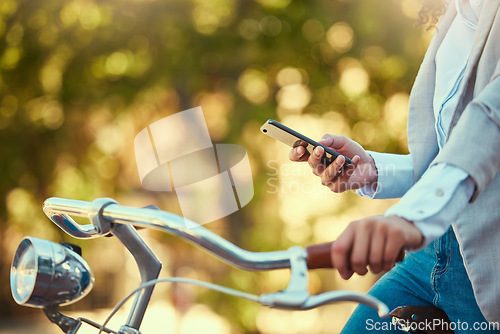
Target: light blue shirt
437, 199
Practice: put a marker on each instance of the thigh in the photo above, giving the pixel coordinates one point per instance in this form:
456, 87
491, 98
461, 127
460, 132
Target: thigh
456, 296
405, 284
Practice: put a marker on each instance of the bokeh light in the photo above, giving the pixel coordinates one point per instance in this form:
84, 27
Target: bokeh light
253, 86
340, 36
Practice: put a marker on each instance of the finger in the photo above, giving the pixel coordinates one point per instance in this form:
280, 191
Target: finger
393, 247
326, 140
344, 181
315, 161
336, 142
339, 177
332, 171
377, 248
336, 166
298, 154
341, 250
355, 160
361, 248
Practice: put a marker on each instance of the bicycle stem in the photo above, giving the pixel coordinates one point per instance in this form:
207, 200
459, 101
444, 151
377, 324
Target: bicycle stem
149, 269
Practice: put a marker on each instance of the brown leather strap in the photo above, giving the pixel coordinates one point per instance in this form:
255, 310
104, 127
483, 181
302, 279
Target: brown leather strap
319, 256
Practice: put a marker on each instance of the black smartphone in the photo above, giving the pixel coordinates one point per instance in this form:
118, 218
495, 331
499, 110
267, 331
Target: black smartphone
292, 138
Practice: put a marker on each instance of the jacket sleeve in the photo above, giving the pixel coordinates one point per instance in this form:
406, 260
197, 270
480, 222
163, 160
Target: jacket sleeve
474, 142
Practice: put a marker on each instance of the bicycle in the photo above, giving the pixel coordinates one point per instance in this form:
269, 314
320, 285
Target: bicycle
48, 275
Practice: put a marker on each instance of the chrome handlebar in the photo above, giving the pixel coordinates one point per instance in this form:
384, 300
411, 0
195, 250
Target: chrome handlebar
105, 213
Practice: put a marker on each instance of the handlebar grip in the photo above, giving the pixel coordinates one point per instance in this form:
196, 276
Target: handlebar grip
318, 256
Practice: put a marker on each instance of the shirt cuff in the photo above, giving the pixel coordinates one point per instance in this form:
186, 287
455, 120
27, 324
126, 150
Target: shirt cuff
435, 201
395, 176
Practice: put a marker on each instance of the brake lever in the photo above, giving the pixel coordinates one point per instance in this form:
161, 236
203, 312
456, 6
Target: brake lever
296, 296
346, 296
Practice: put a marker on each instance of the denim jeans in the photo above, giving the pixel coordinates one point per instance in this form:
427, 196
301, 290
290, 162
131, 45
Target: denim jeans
435, 276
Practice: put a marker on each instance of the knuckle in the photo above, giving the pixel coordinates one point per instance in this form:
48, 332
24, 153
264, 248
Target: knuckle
388, 261
367, 224
327, 173
388, 265
382, 228
342, 138
333, 188
375, 261
326, 181
339, 249
314, 169
341, 187
354, 224
362, 271
396, 233
358, 261
376, 266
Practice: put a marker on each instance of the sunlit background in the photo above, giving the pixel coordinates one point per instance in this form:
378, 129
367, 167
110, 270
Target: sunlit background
80, 78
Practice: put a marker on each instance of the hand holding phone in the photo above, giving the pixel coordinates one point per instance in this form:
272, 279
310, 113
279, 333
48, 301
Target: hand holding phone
351, 174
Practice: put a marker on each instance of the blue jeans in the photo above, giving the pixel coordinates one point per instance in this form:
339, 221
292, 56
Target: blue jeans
435, 276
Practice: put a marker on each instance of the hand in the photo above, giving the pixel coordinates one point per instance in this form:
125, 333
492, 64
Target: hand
361, 172
375, 242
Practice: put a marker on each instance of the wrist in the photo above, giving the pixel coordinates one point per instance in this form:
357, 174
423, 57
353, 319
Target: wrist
414, 237
372, 172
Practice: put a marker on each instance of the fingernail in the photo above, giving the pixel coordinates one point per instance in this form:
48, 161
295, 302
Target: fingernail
317, 152
300, 150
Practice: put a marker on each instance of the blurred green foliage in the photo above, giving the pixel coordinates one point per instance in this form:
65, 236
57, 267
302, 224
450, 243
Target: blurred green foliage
80, 78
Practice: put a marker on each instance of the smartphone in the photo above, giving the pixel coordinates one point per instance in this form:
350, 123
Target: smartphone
293, 139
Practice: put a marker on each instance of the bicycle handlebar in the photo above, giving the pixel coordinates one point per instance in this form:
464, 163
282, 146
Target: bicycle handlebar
105, 212
59, 209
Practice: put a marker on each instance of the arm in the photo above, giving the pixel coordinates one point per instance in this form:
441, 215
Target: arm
473, 142
471, 147
435, 201
424, 213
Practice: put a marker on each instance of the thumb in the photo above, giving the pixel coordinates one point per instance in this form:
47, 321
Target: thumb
334, 141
